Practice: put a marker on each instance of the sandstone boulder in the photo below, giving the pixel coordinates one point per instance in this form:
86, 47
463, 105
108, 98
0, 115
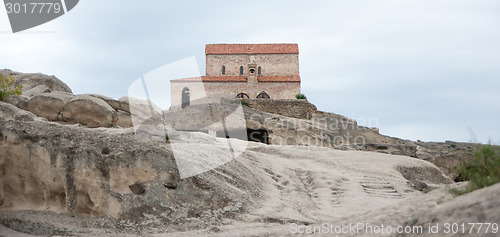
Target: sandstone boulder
49, 105
89, 111
115, 104
142, 111
32, 80
18, 101
124, 119
125, 106
36, 90
11, 112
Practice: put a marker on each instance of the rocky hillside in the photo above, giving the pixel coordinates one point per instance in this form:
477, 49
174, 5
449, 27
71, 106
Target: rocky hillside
297, 123
68, 166
321, 129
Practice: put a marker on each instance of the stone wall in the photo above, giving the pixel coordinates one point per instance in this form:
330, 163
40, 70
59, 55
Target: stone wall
198, 94
271, 64
294, 108
214, 91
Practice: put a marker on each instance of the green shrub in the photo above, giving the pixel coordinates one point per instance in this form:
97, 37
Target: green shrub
482, 171
458, 192
241, 102
7, 87
244, 103
166, 137
301, 96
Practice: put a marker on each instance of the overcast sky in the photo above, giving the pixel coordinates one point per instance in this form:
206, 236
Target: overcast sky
426, 69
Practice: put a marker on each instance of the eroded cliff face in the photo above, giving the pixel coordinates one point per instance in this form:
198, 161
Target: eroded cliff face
71, 169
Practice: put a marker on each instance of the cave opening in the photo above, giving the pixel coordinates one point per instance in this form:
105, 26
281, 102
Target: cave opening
258, 135
253, 135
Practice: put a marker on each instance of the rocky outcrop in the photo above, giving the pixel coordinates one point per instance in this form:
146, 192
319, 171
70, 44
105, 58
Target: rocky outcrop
280, 122
323, 130
448, 155
70, 169
9, 112
32, 80
143, 112
49, 105
481, 206
20, 101
37, 90
122, 108
115, 104
124, 119
50, 98
89, 111
124, 104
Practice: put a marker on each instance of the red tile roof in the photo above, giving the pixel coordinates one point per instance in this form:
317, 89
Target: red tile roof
251, 48
213, 79
279, 78
239, 79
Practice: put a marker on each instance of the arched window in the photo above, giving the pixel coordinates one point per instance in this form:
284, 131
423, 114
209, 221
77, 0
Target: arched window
263, 95
242, 96
241, 70
185, 97
259, 70
223, 70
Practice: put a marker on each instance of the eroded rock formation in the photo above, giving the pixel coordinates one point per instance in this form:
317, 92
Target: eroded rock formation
58, 177
72, 169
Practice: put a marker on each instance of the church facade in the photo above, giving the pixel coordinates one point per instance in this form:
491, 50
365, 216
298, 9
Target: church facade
263, 71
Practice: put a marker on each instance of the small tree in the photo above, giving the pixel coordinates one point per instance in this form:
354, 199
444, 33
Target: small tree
7, 87
301, 96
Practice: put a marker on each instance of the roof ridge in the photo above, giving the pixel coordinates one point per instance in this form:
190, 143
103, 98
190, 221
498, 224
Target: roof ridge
287, 78
270, 48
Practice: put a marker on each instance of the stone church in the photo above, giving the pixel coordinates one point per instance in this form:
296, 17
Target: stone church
263, 71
